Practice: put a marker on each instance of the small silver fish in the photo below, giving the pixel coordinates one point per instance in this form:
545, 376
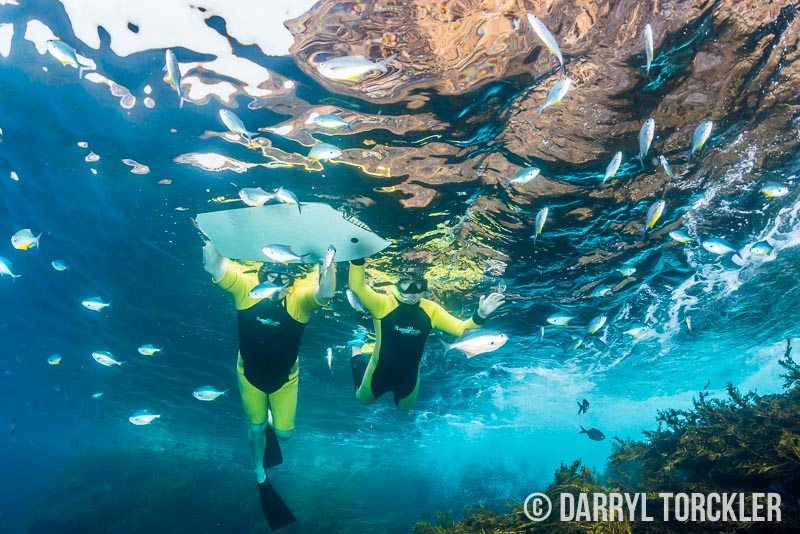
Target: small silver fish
636, 331
351, 68
267, 290
475, 345
324, 151
524, 176
577, 342
25, 240
59, 265
547, 38
596, 324
95, 303
284, 196
207, 393
718, 245
235, 124
143, 417
55, 359
541, 334
653, 214
97, 395
555, 94
689, 324
613, 167
149, 350
255, 196
332, 121
327, 261
5, 268
354, 302
700, 136
648, 47
774, 190
626, 271
103, 357
174, 74
66, 55
281, 253
601, 291
646, 134
541, 217
560, 319
762, 248
680, 235
666, 167
329, 358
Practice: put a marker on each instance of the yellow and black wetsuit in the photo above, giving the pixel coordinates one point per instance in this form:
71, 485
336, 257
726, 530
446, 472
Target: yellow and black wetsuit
269, 341
400, 334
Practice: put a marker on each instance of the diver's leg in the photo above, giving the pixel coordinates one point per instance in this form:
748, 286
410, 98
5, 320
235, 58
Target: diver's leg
358, 365
404, 403
254, 402
283, 404
364, 366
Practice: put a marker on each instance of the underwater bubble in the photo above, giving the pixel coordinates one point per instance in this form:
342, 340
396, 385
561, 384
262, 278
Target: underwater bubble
128, 101
138, 168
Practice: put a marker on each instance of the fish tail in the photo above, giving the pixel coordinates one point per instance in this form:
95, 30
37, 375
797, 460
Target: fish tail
539, 109
644, 233
445, 345
689, 156
583, 430
381, 65
580, 407
80, 71
14, 277
641, 161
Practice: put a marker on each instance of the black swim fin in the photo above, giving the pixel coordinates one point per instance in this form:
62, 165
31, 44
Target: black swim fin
272, 452
275, 510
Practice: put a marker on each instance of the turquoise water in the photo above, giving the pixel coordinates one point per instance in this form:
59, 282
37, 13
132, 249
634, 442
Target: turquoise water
487, 430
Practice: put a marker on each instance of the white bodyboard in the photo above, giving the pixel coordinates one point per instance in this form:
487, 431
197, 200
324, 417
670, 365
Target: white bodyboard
241, 233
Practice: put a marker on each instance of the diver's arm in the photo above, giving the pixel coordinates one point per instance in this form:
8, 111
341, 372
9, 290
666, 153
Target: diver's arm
442, 320
231, 277
378, 305
213, 263
447, 323
326, 288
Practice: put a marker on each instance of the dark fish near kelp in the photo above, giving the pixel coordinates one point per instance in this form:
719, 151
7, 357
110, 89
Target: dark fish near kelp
583, 406
593, 433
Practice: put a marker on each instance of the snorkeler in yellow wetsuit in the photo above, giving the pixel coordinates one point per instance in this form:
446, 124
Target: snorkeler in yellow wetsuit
269, 339
403, 320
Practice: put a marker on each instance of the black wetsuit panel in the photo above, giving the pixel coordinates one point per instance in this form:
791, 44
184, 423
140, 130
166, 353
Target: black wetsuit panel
269, 341
403, 334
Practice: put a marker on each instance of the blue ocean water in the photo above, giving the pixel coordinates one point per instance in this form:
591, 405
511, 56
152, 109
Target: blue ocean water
486, 430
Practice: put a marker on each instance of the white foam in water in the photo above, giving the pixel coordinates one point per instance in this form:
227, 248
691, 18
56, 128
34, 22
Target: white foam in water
765, 362
6, 34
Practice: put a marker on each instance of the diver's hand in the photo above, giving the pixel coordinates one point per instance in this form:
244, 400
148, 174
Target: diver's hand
213, 263
489, 303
